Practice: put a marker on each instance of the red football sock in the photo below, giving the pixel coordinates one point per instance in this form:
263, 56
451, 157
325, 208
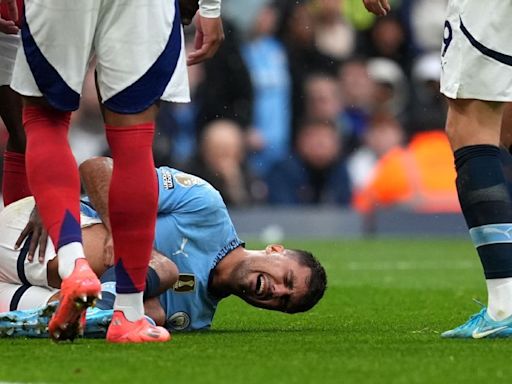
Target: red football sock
14, 181
133, 199
52, 173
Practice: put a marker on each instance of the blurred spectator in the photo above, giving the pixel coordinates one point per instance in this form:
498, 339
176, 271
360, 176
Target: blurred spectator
176, 134
425, 21
387, 38
358, 90
419, 177
266, 60
429, 108
323, 98
298, 34
334, 37
221, 161
384, 133
391, 92
315, 173
226, 89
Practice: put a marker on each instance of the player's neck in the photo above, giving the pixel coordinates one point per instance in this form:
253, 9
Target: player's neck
221, 284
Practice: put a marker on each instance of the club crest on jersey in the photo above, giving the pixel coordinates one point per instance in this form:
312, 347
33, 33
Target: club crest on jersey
186, 180
179, 321
167, 179
186, 283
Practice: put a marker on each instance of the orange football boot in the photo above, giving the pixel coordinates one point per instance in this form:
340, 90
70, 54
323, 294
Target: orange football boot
122, 330
78, 292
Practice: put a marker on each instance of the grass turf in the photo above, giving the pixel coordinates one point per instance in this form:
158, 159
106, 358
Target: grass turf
379, 322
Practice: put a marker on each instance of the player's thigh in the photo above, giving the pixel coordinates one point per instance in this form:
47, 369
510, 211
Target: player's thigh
57, 38
140, 55
8, 48
19, 297
476, 53
14, 266
473, 122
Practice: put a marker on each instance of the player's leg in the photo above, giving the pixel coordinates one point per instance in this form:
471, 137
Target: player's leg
473, 128
14, 181
129, 90
51, 85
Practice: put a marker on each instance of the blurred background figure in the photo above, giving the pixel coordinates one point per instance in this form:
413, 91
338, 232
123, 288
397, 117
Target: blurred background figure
221, 160
418, 177
267, 62
315, 173
358, 89
391, 92
334, 36
383, 134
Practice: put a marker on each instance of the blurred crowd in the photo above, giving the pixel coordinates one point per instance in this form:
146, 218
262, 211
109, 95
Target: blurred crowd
310, 102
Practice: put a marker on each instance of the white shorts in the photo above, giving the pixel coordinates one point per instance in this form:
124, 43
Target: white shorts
476, 55
8, 47
14, 267
18, 297
138, 46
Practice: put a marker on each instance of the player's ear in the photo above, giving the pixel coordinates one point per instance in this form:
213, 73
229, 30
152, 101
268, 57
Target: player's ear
273, 248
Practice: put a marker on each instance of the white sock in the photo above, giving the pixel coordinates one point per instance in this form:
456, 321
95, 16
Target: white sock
499, 302
68, 254
131, 304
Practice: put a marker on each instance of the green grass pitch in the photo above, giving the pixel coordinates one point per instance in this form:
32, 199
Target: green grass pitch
387, 302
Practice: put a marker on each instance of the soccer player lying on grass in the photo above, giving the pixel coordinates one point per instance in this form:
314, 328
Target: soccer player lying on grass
203, 260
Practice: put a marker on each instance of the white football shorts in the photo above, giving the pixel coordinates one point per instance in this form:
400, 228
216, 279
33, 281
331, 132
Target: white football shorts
18, 297
138, 46
14, 266
8, 47
476, 54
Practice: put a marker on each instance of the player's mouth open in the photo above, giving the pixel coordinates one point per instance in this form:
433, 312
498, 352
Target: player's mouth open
261, 285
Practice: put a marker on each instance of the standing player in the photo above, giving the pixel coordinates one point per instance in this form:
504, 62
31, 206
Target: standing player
477, 79
138, 45
14, 180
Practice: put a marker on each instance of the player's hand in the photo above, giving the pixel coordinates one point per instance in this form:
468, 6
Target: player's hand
108, 251
209, 36
8, 26
39, 237
378, 7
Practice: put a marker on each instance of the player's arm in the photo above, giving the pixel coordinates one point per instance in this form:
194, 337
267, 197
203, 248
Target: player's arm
96, 174
378, 7
209, 32
8, 21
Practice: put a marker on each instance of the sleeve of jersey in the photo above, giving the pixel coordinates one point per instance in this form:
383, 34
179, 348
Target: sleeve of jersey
209, 8
181, 194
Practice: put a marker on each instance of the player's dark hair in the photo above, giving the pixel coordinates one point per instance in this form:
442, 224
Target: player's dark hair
317, 282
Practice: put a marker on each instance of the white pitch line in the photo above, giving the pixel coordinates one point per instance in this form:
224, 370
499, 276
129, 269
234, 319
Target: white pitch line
408, 265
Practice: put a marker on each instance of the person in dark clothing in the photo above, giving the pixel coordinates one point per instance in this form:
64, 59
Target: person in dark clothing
315, 173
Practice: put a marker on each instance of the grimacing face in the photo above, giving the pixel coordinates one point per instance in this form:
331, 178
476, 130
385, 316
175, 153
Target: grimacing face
275, 281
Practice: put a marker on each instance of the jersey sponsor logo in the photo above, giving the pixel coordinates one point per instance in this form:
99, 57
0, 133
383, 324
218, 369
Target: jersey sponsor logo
167, 180
179, 321
186, 283
187, 181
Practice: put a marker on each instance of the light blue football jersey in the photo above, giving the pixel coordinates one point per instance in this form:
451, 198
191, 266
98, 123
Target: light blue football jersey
195, 231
